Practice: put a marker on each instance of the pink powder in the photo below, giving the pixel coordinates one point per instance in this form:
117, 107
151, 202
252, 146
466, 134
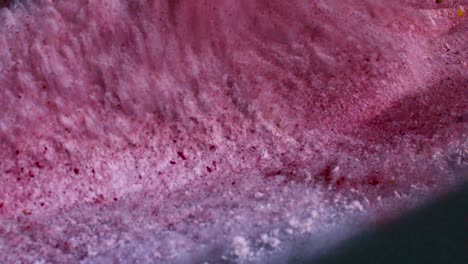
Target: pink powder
171, 130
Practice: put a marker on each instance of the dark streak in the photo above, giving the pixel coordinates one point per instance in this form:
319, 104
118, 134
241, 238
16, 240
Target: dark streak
181, 155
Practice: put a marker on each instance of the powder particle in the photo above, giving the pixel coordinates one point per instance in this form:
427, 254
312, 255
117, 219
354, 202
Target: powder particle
240, 247
270, 240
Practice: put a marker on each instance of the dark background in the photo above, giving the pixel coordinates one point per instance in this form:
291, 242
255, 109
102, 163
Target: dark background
437, 233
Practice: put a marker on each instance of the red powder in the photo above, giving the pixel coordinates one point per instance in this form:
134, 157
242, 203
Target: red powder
293, 104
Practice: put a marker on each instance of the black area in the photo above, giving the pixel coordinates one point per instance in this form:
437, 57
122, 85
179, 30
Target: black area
437, 233
5, 3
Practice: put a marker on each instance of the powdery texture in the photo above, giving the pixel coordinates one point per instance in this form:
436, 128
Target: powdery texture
185, 131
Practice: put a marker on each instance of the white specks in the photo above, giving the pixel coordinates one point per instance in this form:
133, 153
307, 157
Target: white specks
356, 205
270, 240
432, 20
259, 195
447, 46
109, 242
397, 194
437, 154
337, 198
265, 154
123, 124
66, 121
26, 80
90, 121
324, 57
157, 254
314, 214
336, 169
303, 226
3, 127
91, 251
241, 247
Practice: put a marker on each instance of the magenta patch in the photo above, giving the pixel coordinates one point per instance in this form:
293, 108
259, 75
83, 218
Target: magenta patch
190, 131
